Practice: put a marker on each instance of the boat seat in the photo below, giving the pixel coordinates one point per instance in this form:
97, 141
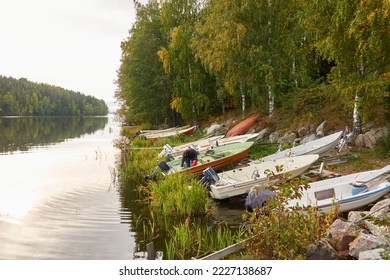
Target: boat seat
206, 159
372, 176
324, 194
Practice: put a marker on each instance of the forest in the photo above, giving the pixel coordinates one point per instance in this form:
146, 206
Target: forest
188, 60
20, 97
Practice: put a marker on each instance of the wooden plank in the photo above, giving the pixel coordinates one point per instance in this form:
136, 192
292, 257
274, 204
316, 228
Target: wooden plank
150, 251
218, 255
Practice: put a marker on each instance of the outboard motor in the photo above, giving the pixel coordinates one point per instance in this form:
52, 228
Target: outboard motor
169, 157
166, 150
209, 177
164, 166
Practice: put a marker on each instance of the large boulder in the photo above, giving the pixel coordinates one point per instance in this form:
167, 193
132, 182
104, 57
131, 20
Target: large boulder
376, 254
320, 130
287, 138
263, 134
370, 138
213, 129
322, 250
342, 233
365, 242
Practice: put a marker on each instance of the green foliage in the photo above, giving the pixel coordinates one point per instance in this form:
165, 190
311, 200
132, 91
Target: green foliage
179, 196
190, 59
193, 239
24, 98
276, 232
192, 86
262, 149
143, 87
384, 145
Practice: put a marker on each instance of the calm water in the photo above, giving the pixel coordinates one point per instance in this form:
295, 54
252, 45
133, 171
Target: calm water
60, 197
58, 194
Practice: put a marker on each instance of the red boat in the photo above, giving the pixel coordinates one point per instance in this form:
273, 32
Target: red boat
243, 126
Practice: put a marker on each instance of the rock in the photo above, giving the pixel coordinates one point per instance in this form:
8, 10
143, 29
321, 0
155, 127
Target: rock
381, 207
322, 250
263, 134
320, 128
273, 137
365, 242
370, 138
378, 226
375, 254
342, 233
302, 132
213, 128
288, 138
356, 216
359, 141
308, 138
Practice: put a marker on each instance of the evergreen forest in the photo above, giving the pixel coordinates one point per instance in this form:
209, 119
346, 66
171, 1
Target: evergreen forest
20, 97
189, 60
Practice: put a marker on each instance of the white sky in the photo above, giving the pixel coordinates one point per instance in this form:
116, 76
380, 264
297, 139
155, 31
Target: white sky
74, 44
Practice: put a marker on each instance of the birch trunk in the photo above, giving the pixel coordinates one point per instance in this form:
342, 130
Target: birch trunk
243, 99
357, 123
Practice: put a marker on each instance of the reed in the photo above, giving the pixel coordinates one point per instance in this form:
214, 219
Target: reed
136, 164
179, 195
192, 239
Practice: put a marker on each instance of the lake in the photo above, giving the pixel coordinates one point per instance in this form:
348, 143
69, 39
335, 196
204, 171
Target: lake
59, 193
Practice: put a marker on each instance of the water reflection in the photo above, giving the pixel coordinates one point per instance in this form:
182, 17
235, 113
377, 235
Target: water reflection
62, 202
24, 133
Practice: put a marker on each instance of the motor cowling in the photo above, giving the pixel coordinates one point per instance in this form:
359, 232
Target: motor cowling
164, 166
209, 177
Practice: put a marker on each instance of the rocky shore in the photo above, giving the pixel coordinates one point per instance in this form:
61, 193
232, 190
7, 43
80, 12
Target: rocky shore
364, 235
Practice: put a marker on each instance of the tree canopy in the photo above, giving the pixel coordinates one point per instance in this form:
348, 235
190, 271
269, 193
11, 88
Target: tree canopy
191, 59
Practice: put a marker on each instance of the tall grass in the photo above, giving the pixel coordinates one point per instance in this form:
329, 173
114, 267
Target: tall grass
190, 239
179, 195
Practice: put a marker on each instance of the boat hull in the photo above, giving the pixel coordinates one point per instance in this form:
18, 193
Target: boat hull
318, 146
346, 192
216, 158
158, 136
243, 126
239, 181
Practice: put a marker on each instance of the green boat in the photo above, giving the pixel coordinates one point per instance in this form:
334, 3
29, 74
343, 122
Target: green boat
216, 158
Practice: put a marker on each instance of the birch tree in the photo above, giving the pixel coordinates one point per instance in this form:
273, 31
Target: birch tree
355, 35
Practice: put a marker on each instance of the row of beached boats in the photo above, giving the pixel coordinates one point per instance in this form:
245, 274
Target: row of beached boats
348, 192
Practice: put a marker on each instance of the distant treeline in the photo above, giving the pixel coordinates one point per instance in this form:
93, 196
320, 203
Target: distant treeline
20, 97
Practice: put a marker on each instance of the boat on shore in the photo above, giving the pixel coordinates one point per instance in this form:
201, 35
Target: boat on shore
204, 144
216, 158
243, 126
319, 146
239, 181
347, 192
174, 132
156, 131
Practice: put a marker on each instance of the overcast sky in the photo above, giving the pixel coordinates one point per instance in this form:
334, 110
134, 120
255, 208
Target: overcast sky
74, 44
